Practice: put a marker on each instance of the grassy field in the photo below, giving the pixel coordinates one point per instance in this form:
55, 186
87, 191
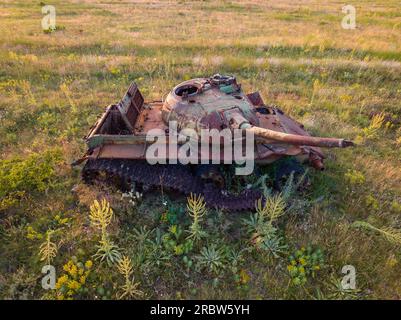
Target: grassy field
338, 82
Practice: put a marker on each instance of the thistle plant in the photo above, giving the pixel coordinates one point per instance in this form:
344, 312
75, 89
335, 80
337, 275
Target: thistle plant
390, 234
235, 258
141, 236
107, 251
212, 259
266, 214
130, 287
260, 225
337, 292
48, 249
272, 209
196, 207
100, 217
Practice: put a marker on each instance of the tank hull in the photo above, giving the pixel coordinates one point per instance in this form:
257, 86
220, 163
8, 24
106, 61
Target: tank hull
104, 141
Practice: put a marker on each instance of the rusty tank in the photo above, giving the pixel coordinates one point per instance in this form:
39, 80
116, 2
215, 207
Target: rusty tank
119, 140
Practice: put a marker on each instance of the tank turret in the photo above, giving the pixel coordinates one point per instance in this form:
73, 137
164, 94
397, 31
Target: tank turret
218, 102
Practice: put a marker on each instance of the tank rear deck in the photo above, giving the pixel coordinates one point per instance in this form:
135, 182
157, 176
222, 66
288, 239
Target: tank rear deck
111, 122
149, 118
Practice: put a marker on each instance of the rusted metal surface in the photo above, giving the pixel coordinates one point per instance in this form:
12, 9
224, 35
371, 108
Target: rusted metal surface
130, 106
98, 125
218, 103
150, 118
255, 99
199, 104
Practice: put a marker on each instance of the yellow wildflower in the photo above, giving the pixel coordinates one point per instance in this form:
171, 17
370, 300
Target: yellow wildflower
82, 279
73, 270
74, 285
88, 264
68, 266
63, 279
302, 261
244, 276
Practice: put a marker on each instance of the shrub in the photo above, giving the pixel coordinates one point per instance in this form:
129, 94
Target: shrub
355, 177
20, 176
303, 263
73, 283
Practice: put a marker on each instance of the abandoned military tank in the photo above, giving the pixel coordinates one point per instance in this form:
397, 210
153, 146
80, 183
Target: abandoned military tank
138, 143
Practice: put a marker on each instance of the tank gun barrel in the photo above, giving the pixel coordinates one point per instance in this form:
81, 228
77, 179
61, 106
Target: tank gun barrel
238, 121
298, 139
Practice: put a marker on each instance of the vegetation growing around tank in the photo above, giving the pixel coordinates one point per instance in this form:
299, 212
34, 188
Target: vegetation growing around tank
53, 87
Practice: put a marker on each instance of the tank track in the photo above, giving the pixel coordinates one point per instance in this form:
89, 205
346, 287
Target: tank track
174, 177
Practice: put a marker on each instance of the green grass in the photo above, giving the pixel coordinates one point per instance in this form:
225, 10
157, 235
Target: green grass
54, 85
